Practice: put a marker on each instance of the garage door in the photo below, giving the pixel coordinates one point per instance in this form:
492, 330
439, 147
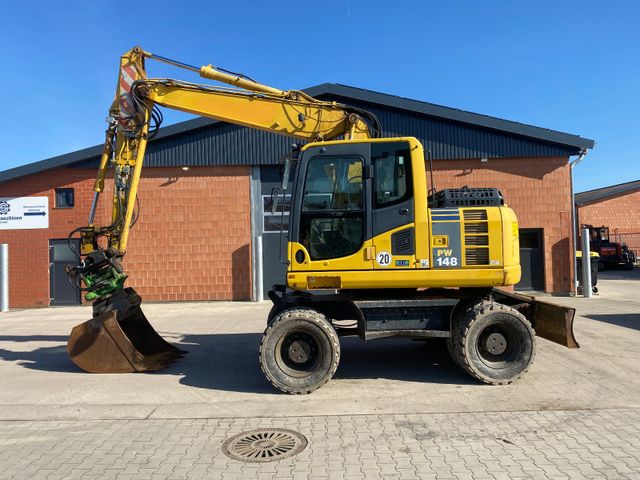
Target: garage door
531, 260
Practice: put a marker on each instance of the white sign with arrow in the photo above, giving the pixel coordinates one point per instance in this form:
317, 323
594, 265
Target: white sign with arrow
21, 213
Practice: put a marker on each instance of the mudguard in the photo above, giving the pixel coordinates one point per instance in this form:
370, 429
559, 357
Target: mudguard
550, 321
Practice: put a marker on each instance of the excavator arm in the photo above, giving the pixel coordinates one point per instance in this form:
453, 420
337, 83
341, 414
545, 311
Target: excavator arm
119, 338
134, 119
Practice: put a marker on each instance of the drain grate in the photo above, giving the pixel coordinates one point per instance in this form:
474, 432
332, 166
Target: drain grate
264, 445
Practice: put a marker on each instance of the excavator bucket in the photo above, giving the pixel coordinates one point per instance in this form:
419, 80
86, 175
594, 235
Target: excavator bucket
550, 321
119, 339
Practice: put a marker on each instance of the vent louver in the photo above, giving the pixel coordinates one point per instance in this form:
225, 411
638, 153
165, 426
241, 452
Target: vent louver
402, 242
475, 215
476, 238
471, 228
477, 256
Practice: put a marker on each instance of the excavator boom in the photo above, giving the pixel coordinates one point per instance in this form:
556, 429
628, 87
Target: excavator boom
119, 338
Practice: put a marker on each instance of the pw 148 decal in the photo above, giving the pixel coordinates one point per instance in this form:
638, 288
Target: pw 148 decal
444, 257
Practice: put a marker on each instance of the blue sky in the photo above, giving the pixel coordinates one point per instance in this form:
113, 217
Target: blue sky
572, 66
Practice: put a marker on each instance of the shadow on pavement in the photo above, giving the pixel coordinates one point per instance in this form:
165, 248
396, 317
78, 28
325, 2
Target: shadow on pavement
230, 361
628, 320
49, 359
620, 274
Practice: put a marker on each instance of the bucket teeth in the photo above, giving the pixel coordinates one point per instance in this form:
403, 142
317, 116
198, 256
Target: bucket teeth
120, 339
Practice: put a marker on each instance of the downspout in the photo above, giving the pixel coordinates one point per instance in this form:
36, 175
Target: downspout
572, 164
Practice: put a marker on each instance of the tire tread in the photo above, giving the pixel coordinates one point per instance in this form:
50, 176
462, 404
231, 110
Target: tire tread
318, 319
460, 332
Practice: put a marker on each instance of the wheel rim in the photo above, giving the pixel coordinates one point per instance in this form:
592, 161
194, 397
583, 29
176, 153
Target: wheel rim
499, 345
298, 353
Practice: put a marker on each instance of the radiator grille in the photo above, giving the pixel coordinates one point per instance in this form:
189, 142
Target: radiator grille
476, 240
471, 228
402, 242
475, 215
477, 256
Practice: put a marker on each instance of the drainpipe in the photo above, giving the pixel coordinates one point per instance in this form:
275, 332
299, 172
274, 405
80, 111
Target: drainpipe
573, 164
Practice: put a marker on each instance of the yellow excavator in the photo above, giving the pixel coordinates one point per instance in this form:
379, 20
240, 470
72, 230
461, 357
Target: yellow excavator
372, 251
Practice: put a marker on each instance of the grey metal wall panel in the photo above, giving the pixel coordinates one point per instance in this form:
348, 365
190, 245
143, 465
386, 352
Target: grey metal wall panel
224, 144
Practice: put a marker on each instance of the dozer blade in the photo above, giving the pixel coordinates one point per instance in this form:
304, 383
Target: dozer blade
550, 321
119, 339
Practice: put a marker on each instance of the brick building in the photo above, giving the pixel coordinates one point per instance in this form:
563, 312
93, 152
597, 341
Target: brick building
616, 207
205, 232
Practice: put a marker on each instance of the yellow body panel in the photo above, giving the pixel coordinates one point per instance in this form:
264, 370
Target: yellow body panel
403, 278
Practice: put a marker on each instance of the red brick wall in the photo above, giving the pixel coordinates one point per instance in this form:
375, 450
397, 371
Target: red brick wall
538, 190
192, 241
621, 214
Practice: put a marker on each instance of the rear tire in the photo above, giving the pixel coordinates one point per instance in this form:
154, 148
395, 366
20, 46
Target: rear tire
493, 343
458, 312
299, 351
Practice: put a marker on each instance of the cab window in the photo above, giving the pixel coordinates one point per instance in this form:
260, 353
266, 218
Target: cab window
392, 179
332, 217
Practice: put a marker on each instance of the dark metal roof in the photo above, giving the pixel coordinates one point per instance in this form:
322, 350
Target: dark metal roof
604, 193
449, 134
452, 114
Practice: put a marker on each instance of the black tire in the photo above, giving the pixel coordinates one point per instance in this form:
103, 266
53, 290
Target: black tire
457, 314
275, 310
493, 343
299, 351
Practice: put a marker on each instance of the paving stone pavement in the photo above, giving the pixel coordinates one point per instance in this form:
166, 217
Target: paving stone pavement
589, 444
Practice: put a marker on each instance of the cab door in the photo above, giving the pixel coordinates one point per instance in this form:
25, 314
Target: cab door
392, 206
331, 230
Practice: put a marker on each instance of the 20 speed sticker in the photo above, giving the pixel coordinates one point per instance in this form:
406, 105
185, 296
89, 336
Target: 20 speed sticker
384, 259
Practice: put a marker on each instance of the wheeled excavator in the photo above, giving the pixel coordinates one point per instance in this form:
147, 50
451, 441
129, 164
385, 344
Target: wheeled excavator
371, 251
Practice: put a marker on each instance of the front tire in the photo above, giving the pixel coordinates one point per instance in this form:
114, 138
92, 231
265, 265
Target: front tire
493, 343
299, 351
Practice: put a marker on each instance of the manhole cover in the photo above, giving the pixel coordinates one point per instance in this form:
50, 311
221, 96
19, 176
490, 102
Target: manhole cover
264, 445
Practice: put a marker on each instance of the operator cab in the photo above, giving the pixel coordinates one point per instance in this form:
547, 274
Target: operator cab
348, 194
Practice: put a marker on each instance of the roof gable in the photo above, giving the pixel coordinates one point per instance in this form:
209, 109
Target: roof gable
605, 193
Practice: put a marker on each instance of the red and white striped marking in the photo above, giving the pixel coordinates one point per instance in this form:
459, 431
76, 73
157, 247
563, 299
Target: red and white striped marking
128, 75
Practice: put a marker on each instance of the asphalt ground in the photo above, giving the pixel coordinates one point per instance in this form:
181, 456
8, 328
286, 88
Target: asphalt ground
395, 410
221, 377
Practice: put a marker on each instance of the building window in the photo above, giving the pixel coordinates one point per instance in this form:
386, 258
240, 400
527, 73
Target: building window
64, 197
274, 222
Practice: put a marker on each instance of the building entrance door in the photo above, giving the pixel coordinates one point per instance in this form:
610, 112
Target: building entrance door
61, 257
274, 245
531, 260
